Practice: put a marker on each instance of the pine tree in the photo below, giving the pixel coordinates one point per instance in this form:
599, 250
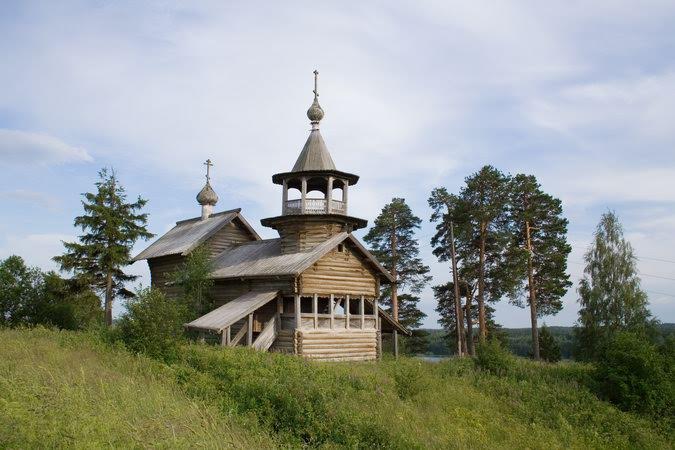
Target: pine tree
610, 296
392, 240
540, 251
548, 345
110, 228
445, 307
479, 215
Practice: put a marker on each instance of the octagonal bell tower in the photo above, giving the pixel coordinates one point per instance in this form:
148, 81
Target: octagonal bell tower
318, 208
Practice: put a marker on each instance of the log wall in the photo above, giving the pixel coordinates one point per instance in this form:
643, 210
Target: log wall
227, 237
298, 237
343, 345
283, 342
161, 270
339, 273
224, 291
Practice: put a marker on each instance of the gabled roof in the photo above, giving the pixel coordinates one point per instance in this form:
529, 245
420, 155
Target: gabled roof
189, 234
264, 258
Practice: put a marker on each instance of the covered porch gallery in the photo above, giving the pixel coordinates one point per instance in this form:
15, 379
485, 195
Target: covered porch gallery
316, 326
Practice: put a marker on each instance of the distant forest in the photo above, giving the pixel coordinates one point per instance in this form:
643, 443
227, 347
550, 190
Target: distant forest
520, 339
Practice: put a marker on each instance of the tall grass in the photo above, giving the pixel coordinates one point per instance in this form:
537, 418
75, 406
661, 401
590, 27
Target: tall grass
405, 403
61, 390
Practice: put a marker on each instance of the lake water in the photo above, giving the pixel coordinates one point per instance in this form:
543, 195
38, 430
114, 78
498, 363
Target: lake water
433, 358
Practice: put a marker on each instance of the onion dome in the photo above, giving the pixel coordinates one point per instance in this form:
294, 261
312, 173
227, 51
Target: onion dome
207, 196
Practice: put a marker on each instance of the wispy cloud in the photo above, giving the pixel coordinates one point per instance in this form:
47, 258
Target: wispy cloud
41, 199
27, 148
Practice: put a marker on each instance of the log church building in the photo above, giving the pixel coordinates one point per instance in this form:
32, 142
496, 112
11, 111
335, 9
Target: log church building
312, 291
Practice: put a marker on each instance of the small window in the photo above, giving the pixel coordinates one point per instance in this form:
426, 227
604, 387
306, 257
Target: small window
341, 248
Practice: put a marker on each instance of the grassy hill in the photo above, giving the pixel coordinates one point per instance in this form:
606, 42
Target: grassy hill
63, 389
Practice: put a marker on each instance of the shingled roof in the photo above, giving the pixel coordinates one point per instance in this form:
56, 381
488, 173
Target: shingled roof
189, 234
264, 258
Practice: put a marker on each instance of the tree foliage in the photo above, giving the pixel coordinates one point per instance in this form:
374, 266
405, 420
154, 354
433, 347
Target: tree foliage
539, 250
392, 240
153, 324
631, 373
30, 297
610, 297
110, 227
548, 345
194, 277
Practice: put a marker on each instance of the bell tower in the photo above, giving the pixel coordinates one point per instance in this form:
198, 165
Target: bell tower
318, 209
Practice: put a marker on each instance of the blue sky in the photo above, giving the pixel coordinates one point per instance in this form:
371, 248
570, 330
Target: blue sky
417, 95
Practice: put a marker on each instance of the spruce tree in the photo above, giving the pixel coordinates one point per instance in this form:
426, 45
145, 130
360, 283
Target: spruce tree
548, 345
540, 251
610, 296
392, 240
110, 227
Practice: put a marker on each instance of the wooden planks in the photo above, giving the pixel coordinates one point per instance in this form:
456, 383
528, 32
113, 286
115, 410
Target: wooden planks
267, 336
228, 314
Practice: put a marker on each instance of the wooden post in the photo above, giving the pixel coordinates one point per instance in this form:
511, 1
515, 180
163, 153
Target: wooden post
280, 311
249, 331
303, 191
362, 312
345, 191
329, 195
298, 319
225, 337
284, 198
347, 314
315, 310
332, 312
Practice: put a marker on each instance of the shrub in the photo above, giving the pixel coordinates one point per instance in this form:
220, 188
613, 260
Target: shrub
408, 378
153, 325
549, 350
492, 357
633, 375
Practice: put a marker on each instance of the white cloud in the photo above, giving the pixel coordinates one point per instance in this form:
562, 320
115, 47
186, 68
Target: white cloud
27, 148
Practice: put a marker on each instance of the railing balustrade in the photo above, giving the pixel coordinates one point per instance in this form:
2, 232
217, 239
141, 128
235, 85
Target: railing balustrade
314, 206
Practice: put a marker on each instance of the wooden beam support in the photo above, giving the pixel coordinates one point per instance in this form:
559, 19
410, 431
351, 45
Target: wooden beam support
303, 199
332, 311
362, 312
347, 313
239, 336
315, 310
249, 331
298, 319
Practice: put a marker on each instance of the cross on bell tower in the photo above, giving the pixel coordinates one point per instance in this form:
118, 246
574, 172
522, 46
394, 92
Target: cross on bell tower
207, 197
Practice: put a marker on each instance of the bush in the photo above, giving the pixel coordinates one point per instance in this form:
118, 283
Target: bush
632, 374
153, 325
408, 378
549, 350
492, 357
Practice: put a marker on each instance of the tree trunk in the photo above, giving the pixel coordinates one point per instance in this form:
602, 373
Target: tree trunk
394, 285
458, 301
469, 324
108, 299
533, 297
481, 283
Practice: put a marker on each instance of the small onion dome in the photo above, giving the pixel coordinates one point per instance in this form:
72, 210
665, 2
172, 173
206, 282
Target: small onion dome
315, 113
207, 196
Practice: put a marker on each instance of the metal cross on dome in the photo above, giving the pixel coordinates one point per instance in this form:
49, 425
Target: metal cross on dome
208, 165
316, 89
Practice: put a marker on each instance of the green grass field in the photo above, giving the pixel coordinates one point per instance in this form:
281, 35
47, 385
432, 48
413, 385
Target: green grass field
63, 389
